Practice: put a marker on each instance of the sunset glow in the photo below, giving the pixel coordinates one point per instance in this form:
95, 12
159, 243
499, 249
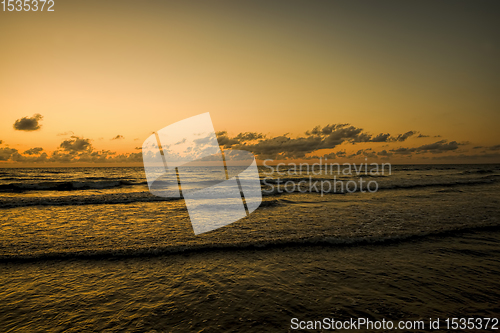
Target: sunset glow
256, 67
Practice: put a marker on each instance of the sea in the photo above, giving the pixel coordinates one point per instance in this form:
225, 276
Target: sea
90, 249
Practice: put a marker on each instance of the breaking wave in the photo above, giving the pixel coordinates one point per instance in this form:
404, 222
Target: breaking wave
258, 244
67, 185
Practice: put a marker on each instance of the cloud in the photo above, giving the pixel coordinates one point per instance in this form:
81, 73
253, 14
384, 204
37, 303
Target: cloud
1, 142
381, 137
433, 148
180, 142
341, 153
386, 137
7, 153
107, 156
241, 138
423, 136
12, 154
283, 146
369, 153
42, 158
75, 149
208, 140
249, 136
403, 137
328, 156
328, 129
79, 149
28, 124
496, 147
76, 144
33, 151
384, 153
315, 143
403, 151
439, 146
326, 137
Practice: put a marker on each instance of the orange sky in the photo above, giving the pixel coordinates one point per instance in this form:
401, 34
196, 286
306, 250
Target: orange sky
128, 68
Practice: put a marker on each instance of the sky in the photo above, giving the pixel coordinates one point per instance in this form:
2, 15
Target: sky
400, 81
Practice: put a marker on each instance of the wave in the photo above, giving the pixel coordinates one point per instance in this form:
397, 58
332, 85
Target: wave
282, 180
448, 184
70, 200
67, 185
104, 199
279, 190
258, 244
145, 196
475, 172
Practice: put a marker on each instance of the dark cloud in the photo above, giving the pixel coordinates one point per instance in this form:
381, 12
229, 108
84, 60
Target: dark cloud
241, 138
342, 153
496, 147
283, 146
439, 146
106, 156
384, 153
423, 136
7, 153
72, 150
328, 129
381, 137
434, 148
314, 142
369, 153
403, 151
33, 151
61, 157
225, 141
42, 158
28, 124
1, 142
96, 156
118, 137
327, 137
12, 154
329, 156
249, 136
76, 144
403, 137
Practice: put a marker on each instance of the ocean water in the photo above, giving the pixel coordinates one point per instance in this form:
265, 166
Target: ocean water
90, 249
